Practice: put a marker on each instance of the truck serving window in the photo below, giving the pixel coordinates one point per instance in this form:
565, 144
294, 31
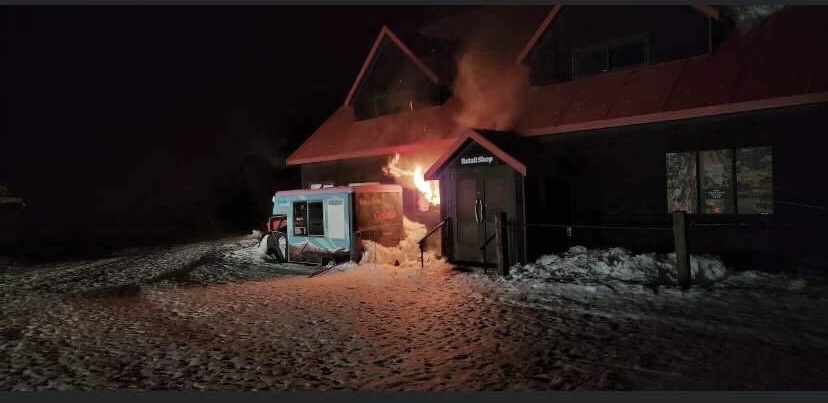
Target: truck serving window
300, 218
316, 225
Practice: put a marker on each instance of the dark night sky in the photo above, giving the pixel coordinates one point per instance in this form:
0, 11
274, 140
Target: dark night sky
132, 117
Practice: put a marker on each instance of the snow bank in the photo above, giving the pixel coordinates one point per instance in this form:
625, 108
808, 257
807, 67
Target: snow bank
261, 249
246, 250
775, 281
617, 264
408, 249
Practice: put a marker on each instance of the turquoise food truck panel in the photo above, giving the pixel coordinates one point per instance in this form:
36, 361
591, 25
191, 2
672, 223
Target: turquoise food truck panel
329, 223
319, 224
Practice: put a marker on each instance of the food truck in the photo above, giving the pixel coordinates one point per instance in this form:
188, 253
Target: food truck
322, 226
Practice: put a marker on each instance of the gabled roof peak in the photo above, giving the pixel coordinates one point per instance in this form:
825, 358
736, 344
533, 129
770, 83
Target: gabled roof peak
386, 33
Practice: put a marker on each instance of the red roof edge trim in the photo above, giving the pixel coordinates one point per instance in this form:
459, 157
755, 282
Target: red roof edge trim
372, 152
703, 111
385, 32
538, 34
434, 169
341, 189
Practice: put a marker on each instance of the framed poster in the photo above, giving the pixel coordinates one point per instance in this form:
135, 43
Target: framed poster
716, 169
754, 175
682, 192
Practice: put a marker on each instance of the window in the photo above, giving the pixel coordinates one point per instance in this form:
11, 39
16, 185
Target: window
714, 172
300, 218
587, 62
316, 226
611, 55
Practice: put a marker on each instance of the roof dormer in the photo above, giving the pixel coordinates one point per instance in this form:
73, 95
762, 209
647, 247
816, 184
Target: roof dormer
580, 41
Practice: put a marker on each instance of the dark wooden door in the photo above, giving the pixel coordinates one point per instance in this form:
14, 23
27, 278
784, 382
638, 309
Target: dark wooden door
467, 231
480, 193
498, 196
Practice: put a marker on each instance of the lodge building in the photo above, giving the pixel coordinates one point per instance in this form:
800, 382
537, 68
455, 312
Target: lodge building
597, 117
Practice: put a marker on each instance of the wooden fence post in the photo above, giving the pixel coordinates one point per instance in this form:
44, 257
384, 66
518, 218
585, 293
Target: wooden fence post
502, 244
682, 257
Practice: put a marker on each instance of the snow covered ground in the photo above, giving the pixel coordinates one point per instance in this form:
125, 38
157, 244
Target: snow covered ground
613, 283
218, 315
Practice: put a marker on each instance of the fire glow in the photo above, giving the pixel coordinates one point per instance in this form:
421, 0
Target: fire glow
429, 189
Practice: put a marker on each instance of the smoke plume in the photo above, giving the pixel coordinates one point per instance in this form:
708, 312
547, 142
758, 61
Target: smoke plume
490, 87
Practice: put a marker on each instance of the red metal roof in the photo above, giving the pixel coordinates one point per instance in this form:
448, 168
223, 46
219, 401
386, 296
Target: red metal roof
646, 89
780, 60
709, 80
779, 63
595, 97
712, 110
342, 137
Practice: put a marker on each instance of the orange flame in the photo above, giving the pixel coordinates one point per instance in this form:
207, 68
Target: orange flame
429, 189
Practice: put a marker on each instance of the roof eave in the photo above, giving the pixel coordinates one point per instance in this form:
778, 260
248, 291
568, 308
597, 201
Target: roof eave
373, 152
681, 114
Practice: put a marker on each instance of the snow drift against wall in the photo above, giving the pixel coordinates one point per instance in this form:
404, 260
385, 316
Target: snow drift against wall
408, 249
